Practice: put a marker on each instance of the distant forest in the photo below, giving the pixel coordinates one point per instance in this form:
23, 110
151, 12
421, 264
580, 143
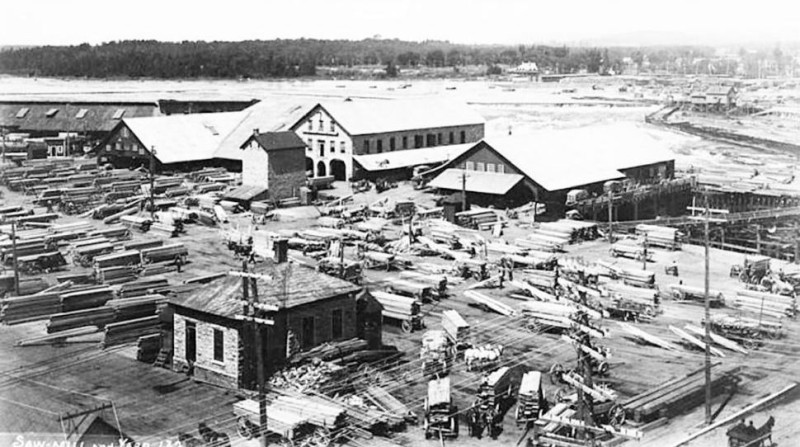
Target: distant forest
301, 57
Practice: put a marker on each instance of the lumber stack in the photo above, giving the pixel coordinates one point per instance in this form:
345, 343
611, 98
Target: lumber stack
388, 403
142, 245
138, 307
116, 275
308, 377
769, 304
454, 325
677, 395
86, 298
121, 258
99, 316
396, 306
22, 309
332, 351
659, 236
477, 218
141, 224
166, 229
117, 217
130, 331
140, 287
541, 279
575, 230
539, 242
158, 269
170, 252
490, 303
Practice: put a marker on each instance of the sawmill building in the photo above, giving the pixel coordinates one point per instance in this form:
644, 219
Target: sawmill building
306, 309
544, 166
338, 132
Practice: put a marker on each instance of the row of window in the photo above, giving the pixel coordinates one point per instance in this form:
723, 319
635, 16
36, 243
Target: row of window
427, 140
80, 115
487, 167
133, 147
321, 125
337, 330
321, 146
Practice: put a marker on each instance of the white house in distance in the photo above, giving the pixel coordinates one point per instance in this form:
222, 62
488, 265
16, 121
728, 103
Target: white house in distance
336, 131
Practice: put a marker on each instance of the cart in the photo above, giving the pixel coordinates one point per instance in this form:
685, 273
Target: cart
630, 250
347, 270
441, 416
697, 294
402, 309
436, 354
494, 393
531, 403
413, 289
285, 428
748, 331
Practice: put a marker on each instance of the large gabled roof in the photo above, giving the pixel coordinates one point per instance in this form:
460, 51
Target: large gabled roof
291, 286
71, 116
180, 138
476, 181
373, 116
264, 116
275, 141
569, 158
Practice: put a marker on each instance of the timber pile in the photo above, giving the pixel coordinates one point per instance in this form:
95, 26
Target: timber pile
455, 326
658, 236
317, 411
575, 230
130, 331
769, 304
677, 396
117, 275
118, 259
22, 309
396, 306
388, 403
159, 268
147, 348
117, 217
539, 242
87, 298
308, 377
99, 316
331, 351
478, 218
84, 255
170, 252
140, 287
553, 235
138, 307
113, 233
142, 224
167, 229
490, 303
541, 279
142, 245
76, 278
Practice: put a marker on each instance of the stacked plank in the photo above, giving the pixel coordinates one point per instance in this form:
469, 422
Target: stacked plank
142, 245
477, 218
141, 224
167, 229
332, 350
86, 298
117, 233
638, 278
454, 325
659, 236
541, 279
129, 210
540, 242
76, 278
22, 309
769, 304
158, 268
677, 395
118, 259
99, 316
388, 403
170, 252
490, 303
396, 306
137, 307
140, 287
130, 330
117, 275
574, 230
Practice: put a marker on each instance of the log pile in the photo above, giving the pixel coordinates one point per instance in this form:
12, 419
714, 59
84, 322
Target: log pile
130, 331
316, 376
677, 396
331, 351
769, 304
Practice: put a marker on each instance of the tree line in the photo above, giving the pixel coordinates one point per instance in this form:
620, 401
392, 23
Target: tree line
296, 57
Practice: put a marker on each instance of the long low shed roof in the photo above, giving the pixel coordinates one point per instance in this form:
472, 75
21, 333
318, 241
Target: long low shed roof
411, 157
477, 181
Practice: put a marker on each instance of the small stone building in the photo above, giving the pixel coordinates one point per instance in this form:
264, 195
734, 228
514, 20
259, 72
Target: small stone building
306, 308
274, 161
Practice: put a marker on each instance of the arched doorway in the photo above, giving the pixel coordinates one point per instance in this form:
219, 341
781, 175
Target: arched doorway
310, 167
321, 171
338, 170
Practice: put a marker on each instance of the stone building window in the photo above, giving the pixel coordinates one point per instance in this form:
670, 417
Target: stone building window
336, 324
333, 146
470, 166
366, 146
501, 168
342, 147
380, 146
463, 137
489, 167
391, 144
219, 345
452, 138
480, 167
405, 142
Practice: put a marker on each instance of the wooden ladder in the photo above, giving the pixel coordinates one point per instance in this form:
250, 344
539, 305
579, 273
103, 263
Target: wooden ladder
161, 359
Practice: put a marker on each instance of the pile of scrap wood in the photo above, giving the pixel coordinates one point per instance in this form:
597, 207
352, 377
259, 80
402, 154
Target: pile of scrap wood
769, 304
331, 351
315, 376
659, 236
678, 395
129, 331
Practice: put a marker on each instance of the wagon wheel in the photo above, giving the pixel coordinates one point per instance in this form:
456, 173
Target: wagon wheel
556, 372
406, 326
616, 415
243, 427
602, 368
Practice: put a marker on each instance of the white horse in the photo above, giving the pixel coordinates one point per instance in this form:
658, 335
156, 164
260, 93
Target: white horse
476, 357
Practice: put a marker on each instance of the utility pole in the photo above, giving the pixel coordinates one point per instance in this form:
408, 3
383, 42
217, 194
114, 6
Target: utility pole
250, 311
152, 182
4, 145
14, 249
707, 217
644, 258
610, 230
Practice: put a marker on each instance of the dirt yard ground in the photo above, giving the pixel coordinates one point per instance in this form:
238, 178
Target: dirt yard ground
635, 367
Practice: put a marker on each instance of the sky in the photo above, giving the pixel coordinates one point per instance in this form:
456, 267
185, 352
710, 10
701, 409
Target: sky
69, 22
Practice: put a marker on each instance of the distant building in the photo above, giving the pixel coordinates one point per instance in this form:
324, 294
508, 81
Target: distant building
307, 309
335, 132
544, 166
